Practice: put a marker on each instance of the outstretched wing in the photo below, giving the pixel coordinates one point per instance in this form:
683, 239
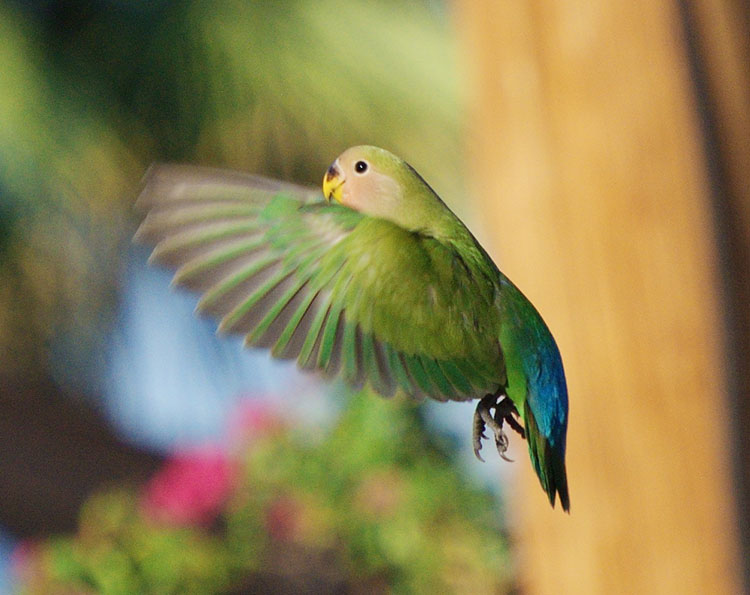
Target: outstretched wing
341, 292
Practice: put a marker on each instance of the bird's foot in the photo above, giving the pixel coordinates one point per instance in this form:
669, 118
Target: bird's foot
505, 411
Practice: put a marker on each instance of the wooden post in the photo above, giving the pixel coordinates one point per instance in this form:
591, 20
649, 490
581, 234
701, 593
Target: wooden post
718, 35
586, 147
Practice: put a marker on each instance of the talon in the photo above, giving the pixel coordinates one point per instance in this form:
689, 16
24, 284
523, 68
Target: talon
501, 442
513, 423
505, 411
478, 433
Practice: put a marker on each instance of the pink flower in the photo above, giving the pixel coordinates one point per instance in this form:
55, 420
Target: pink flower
191, 488
253, 418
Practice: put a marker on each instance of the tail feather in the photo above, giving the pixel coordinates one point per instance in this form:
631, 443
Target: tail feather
548, 461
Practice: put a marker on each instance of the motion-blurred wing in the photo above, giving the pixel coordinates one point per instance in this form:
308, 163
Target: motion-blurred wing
340, 292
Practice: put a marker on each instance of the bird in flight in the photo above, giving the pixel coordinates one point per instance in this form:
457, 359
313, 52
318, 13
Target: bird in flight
375, 281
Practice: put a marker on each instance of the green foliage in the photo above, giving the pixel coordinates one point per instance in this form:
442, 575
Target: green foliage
278, 88
118, 550
382, 487
377, 496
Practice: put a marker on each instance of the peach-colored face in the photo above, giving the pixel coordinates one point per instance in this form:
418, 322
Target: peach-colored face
356, 182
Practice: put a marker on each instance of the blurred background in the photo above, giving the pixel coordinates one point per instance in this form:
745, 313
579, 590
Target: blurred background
599, 150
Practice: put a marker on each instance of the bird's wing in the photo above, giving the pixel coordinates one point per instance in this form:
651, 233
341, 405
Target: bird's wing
340, 292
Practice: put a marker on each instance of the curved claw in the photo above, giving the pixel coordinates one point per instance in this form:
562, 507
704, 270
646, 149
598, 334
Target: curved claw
501, 442
478, 435
483, 418
501, 448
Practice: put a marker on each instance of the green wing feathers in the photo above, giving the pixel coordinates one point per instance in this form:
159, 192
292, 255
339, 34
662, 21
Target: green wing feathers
342, 293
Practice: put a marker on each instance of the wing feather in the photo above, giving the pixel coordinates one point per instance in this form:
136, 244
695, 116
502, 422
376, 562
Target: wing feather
416, 371
266, 332
243, 278
330, 355
433, 371
246, 315
351, 351
204, 269
206, 234
378, 369
455, 377
309, 353
291, 338
342, 293
164, 184
396, 366
161, 224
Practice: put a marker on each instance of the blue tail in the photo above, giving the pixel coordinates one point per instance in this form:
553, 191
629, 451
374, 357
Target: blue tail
536, 384
546, 418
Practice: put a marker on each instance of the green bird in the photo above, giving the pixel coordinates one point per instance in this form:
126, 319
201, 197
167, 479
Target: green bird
375, 281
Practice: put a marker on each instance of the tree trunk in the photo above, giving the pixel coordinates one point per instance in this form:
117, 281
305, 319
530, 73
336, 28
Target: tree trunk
589, 154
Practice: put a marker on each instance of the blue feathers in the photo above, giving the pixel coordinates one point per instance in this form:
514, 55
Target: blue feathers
546, 416
536, 384
547, 392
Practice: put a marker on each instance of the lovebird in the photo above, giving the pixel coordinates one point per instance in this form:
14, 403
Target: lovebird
376, 281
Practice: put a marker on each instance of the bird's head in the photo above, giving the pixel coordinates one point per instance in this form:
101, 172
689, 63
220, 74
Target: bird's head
376, 182
367, 179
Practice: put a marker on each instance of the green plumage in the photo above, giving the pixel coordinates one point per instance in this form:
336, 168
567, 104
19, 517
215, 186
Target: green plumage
400, 297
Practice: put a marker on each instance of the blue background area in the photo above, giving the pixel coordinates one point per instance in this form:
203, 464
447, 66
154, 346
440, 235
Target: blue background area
171, 379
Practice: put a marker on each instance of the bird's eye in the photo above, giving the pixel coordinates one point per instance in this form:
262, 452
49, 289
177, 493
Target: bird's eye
360, 167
